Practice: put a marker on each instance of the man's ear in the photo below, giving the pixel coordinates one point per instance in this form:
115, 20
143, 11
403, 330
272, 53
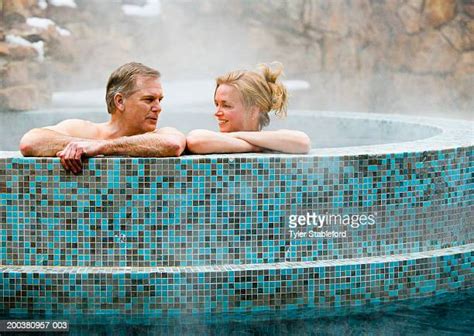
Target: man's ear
119, 102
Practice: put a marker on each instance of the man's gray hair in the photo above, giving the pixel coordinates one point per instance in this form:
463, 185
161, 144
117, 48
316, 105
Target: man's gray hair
123, 81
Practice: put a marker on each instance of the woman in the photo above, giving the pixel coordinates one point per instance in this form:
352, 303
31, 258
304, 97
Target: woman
243, 102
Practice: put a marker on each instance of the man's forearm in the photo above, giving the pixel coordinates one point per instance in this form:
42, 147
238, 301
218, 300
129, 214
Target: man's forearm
149, 144
44, 142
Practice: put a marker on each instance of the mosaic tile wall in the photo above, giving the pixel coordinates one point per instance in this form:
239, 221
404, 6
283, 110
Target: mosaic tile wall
214, 234
216, 289
196, 211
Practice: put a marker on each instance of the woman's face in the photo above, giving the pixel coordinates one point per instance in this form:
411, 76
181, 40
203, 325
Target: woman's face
231, 113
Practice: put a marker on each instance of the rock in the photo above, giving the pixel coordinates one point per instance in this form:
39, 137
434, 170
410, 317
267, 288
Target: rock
17, 10
340, 55
18, 52
423, 53
377, 31
415, 4
468, 36
335, 19
399, 54
46, 35
20, 98
14, 73
37, 34
438, 12
4, 49
464, 82
391, 5
62, 14
434, 55
460, 33
369, 58
466, 65
468, 7
63, 50
360, 11
410, 18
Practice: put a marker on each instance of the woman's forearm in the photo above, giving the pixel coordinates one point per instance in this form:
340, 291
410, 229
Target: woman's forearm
207, 142
286, 141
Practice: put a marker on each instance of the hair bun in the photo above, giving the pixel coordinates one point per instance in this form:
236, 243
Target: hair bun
271, 72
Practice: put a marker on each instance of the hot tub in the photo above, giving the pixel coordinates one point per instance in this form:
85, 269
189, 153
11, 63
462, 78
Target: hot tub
374, 216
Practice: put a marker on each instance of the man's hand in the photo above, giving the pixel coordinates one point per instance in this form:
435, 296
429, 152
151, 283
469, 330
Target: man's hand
72, 155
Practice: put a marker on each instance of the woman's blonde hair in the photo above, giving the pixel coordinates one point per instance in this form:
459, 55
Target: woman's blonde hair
260, 88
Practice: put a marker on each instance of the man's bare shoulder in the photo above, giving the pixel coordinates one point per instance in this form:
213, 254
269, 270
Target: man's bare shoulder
76, 128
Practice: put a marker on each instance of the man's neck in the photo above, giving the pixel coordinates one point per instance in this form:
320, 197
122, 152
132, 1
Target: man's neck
115, 128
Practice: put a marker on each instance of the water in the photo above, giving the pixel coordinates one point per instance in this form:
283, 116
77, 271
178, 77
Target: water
448, 314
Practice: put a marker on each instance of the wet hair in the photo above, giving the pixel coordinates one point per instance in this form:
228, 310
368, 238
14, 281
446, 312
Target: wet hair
123, 80
260, 88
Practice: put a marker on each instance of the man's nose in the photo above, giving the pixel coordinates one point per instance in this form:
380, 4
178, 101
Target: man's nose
156, 107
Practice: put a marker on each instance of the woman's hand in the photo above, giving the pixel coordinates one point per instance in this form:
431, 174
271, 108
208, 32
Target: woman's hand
206, 142
286, 141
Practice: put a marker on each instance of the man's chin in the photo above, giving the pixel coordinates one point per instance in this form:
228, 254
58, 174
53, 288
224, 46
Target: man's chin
149, 129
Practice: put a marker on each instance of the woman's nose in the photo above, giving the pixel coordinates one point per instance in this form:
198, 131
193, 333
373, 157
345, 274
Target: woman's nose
218, 112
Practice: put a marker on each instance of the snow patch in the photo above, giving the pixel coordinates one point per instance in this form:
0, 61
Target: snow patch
17, 40
42, 4
151, 8
43, 23
63, 32
63, 3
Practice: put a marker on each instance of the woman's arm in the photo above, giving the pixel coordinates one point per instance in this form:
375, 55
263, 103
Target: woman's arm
206, 142
286, 141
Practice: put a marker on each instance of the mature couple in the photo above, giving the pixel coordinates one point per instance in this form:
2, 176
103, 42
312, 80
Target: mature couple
243, 102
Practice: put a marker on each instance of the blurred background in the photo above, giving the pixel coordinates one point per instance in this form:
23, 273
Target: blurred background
385, 56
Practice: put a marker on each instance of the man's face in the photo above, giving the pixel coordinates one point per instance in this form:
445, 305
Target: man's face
142, 107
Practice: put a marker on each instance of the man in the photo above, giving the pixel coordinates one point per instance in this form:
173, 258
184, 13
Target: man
133, 99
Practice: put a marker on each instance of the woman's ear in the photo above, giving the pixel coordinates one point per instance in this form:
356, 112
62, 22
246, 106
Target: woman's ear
119, 102
254, 112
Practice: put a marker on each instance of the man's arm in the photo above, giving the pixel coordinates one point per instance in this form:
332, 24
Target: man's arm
71, 140
164, 142
206, 142
50, 140
286, 141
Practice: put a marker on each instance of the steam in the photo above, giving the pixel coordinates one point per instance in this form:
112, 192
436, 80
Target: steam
344, 61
